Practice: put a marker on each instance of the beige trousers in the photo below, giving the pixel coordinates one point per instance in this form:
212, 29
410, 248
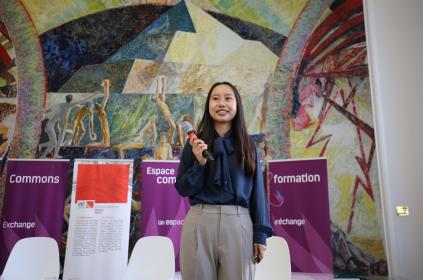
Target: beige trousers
217, 243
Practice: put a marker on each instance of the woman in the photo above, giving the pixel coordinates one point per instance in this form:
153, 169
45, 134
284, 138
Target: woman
225, 230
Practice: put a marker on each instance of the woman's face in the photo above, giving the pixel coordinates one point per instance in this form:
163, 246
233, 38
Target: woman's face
222, 104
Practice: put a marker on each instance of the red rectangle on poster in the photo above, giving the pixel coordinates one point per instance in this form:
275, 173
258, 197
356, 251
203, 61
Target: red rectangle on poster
104, 183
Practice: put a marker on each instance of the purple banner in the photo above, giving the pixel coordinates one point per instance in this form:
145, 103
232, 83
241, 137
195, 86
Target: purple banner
33, 202
299, 209
163, 209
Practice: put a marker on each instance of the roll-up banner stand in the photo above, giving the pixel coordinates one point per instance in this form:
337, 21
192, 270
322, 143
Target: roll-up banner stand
33, 202
299, 210
163, 209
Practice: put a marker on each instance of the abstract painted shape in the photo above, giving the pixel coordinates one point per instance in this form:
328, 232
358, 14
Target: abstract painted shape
157, 37
213, 43
92, 40
88, 78
249, 31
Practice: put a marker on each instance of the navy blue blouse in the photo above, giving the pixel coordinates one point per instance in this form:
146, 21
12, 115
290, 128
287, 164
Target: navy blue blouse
225, 184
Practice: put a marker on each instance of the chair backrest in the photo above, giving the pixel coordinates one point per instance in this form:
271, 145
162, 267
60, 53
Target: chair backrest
153, 258
276, 264
35, 258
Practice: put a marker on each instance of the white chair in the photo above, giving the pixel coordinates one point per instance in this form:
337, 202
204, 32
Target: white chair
35, 258
153, 258
276, 264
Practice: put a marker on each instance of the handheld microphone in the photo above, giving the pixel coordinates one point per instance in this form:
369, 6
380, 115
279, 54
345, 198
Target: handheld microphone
189, 130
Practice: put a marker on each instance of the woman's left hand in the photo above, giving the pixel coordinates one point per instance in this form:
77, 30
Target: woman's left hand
258, 253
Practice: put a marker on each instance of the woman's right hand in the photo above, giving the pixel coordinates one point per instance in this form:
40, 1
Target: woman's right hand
198, 146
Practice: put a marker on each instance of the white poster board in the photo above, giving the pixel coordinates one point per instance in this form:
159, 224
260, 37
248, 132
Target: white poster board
98, 234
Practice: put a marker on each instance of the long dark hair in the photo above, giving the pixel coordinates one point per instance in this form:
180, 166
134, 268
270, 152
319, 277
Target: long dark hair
243, 145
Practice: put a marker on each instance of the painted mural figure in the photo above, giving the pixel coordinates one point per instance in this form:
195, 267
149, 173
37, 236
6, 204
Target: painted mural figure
56, 118
260, 112
164, 108
78, 130
100, 110
147, 136
199, 99
182, 137
349, 256
163, 149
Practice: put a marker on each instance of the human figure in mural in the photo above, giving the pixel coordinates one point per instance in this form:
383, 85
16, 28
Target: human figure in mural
100, 110
78, 129
231, 184
56, 117
266, 94
146, 137
182, 137
164, 108
199, 100
306, 96
348, 256
259, 114
163, 150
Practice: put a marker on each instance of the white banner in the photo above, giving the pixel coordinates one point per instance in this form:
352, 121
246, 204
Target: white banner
98, 234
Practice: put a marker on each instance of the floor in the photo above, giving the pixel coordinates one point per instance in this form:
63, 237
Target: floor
296, 276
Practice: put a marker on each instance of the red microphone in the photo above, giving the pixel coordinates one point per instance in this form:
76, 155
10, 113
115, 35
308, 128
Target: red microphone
189, 130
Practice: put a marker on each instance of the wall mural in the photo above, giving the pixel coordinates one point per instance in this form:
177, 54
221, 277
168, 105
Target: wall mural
8, 78
121, 76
